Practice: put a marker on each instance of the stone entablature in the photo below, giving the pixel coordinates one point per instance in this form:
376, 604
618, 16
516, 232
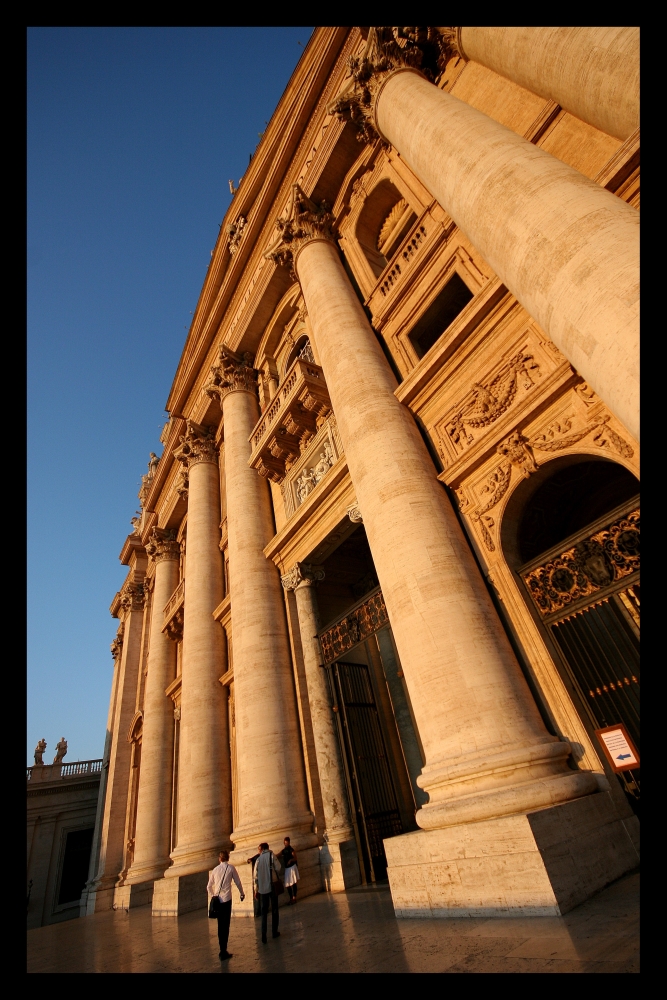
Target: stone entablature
291, 421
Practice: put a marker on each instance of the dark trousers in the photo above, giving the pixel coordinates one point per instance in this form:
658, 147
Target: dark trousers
224, 916
292, 890
266, 899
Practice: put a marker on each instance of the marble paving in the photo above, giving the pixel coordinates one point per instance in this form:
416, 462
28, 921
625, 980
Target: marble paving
350, 932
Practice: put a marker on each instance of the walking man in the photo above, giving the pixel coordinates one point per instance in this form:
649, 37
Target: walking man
220, 885
266, 867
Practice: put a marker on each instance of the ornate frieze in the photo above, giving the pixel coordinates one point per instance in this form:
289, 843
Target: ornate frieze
356, 626
388, 49
302, 575
304, 222
163, 545
306, 472
196, 445
589, 566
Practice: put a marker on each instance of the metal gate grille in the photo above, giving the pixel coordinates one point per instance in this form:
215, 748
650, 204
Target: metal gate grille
375, 797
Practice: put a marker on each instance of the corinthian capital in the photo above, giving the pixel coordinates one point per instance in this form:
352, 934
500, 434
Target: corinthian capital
132, 597
425, 50
196, 445
233, 373
302, 575
163, 545
304, 222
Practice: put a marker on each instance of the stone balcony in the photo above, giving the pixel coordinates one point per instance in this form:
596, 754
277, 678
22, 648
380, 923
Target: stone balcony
172, 622
290, 422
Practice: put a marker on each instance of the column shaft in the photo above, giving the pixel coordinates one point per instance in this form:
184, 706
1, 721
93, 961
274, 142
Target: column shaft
272, 795
204, 787
487, 751
591, 72
152, 835
332, 784
566, 248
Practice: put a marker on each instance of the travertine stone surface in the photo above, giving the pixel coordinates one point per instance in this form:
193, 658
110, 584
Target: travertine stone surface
272, 797
112, 838
565, 247
338, 831
153, 827
487, 752
591, 72
204, 796
541, 864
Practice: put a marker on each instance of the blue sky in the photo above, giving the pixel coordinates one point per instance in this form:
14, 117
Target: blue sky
133, 134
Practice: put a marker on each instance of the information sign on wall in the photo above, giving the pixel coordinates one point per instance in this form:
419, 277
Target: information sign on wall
618, 747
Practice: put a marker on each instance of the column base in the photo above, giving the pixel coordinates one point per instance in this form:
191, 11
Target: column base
126, 896
340, 866
97, 898
542, 863
179, 894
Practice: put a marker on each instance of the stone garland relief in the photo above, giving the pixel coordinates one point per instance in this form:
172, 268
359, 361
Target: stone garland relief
592, 564
368, 618
518, 452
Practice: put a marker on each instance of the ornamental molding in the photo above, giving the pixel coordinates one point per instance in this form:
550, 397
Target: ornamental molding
233, 373
302, 575
196, 445
593, 564
117, 644
162, 545
354, 513
357, 625
424, 50
304, 222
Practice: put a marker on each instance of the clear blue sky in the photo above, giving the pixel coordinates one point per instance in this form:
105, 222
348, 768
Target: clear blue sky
133, 134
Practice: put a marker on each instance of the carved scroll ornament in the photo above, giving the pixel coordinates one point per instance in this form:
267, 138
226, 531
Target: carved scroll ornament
196, 445
302, 574
304, 222
233, 373
426, 50
163, 545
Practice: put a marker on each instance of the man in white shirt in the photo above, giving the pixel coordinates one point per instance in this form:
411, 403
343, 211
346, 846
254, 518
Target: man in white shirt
220, 885
267, 863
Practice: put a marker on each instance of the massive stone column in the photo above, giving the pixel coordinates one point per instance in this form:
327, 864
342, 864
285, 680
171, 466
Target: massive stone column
272, 792
566, 248
487, 751
153, 823
204, 785
127, 648
591, 72
339, 856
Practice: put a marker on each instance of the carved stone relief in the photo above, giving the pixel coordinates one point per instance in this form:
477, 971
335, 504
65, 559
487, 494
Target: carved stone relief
313, 466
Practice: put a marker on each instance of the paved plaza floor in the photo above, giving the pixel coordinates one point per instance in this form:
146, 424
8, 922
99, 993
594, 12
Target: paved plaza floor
350, 932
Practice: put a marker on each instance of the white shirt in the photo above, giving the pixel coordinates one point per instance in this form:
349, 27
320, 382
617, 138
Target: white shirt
263, 865
221, 879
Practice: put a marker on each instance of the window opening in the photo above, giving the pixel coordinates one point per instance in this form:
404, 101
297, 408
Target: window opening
453, 298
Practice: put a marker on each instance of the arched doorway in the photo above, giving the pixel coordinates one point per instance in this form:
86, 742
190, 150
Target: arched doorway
571, 534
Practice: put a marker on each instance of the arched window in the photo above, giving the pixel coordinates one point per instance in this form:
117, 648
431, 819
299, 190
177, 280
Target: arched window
571, 533
301, 349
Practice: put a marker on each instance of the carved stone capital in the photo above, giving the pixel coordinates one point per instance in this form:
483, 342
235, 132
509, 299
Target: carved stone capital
354, 513
235, 233
132, 597
425, 50
196, 445
304, 222
302, 575
163, 545
117, 644
233, 373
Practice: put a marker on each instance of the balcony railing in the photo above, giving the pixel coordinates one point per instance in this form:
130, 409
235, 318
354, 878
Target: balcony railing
76, 770
293, 418
172, 621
